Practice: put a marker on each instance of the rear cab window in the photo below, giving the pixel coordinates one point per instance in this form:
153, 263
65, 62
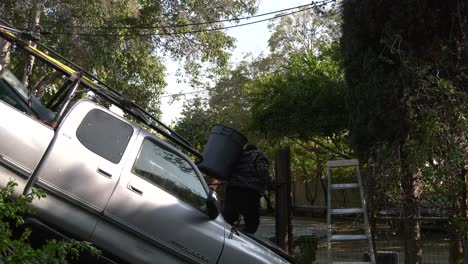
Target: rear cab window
104, 135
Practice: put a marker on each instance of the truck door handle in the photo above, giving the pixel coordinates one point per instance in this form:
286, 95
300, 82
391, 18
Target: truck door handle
105, 173
134, 189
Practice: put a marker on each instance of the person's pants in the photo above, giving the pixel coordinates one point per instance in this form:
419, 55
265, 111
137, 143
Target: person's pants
245, 202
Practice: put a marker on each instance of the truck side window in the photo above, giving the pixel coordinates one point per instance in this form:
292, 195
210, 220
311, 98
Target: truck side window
104, 134
165, 168
9, 97
13, 92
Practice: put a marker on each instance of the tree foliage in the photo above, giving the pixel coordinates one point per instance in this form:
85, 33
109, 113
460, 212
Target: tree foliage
301, 93
196, 122
405, 66
389, 49
296, 90
227, 103
126, 42
303, 99
292, 96
15, 248
309, 31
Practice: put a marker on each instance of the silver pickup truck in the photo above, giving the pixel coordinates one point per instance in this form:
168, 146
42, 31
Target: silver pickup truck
109, 180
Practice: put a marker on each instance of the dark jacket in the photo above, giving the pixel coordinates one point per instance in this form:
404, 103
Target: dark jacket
251, 172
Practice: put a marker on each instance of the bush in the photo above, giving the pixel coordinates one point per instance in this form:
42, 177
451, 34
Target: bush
305, 248
15, 248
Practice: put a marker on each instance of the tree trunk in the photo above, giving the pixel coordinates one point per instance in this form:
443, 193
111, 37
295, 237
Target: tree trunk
458, 238
371, 188
283, 223
37, 7
411, 188
46, 79
465, 211
5, 53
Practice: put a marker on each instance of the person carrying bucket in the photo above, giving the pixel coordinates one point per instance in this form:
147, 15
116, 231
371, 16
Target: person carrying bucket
244, 188
244, 170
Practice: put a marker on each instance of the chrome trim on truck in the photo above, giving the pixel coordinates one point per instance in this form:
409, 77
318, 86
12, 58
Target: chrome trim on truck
68, 197
15, 166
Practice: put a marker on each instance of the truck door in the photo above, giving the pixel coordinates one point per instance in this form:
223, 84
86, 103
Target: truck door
84, 164
161, 198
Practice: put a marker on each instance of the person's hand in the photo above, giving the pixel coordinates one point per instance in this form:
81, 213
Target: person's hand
214, 184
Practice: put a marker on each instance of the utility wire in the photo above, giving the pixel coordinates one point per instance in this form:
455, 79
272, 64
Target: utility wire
310, 6
191, 24
192, 31
186, 93
201, 23
178, 33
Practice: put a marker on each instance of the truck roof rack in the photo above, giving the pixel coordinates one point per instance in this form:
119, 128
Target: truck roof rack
93, 83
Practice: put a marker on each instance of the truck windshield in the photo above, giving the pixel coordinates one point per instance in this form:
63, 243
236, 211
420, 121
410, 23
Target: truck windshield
13, 92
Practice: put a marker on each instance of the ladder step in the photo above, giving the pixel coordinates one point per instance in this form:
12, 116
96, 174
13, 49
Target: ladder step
342, 163
345, 211
351, 262
348, 237
341, 186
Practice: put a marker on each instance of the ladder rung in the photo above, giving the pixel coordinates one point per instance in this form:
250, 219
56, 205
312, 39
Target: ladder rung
348, 237
342, 163
341, 186
344, 211
351, 262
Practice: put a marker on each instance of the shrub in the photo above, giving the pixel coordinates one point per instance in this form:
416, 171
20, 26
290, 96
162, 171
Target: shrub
14, 241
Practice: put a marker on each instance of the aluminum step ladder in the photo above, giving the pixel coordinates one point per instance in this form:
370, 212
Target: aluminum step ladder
331, 165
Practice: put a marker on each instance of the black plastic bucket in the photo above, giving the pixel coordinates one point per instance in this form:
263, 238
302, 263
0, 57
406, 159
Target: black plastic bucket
222, 151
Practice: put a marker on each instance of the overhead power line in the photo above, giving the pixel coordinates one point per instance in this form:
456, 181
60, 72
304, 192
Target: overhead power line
201, 23
186, 93
321, 3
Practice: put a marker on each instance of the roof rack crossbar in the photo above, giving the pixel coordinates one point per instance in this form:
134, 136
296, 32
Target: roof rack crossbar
172, 132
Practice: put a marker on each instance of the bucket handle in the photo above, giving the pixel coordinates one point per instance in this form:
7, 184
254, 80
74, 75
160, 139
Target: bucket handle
226, 131
222, 130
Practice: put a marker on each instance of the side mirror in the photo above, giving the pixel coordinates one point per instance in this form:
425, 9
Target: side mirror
212, 205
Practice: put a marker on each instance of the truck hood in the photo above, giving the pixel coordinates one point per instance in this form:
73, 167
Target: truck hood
240, 247
271, 246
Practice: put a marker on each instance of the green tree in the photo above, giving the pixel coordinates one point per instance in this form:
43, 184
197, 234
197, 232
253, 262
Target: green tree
300, 97
403, 61
226, 103
308, 31
303, 99
195, 123
125, 43
292, 96
227, 99
300, 93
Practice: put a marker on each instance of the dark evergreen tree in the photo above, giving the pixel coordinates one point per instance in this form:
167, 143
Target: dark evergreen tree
405, 69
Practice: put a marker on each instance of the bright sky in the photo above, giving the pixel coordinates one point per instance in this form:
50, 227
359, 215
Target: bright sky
250, 39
